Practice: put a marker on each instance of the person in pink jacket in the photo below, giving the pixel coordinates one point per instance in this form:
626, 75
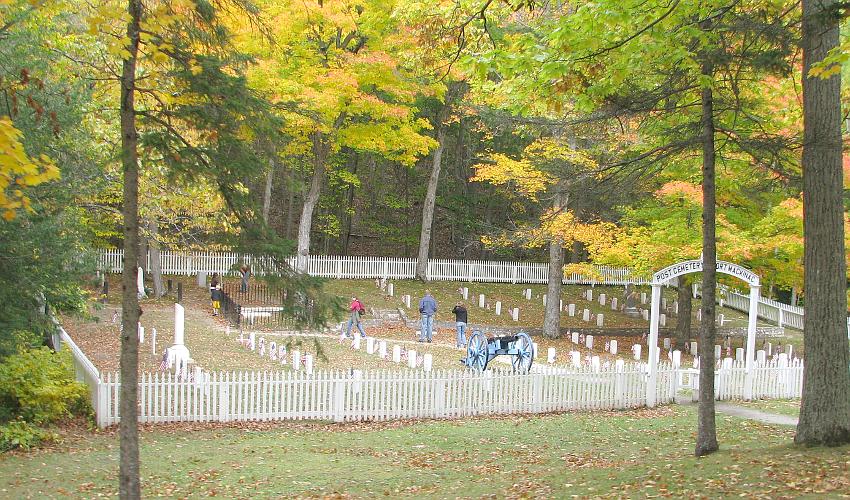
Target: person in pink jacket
356, 309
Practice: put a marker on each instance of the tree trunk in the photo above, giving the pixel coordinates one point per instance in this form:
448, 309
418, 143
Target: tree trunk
349, 214
290, 202
552, 315
267, 194
706, 425
320, 151
128, 484
825, 409
156, 265
428, 206
683, 317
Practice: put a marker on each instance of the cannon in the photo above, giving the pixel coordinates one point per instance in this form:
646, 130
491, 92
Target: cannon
480, 350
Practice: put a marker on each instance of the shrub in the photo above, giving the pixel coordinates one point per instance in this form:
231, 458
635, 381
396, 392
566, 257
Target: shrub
38, 387
22, 434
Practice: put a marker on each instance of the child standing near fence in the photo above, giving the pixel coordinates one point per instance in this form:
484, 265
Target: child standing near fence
215, 293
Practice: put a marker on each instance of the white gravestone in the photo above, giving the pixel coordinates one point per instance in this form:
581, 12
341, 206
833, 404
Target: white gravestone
613, 303
534, 350
411, 358
739, 354
663, 303
694, 348
613, 347
296, 360
308, 364
178, 351
662, 319
676, 307
407, 301
481, 301
141, 334
202, 279
789, 350
677, 358
252, 341
769, 349
575, 358
589, 295
699, 314
561, 305
645, 314
761, 357
588, 341
585, 315
498, 308
601, 299
515, 313
727, 363
575, 337
141, 283
390, 289
595, 364
571, 310
643, 298
721, 319
370, 345
782, 360
282, 354
427, 362
667, 342
544, 299
636, 350
382, 349
717, 352
465, 293
528, 294
396, 354
273, 350
356, 342
550, 355
600, 319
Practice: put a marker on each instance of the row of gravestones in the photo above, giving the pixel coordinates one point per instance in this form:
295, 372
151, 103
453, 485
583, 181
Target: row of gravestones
277, 352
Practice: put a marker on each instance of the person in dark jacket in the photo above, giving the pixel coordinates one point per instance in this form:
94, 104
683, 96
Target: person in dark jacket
215, 293
427, 308
460, 320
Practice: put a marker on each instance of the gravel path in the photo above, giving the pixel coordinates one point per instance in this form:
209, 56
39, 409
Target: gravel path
751, 414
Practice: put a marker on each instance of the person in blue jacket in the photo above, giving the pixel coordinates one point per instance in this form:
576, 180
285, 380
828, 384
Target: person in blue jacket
427, 308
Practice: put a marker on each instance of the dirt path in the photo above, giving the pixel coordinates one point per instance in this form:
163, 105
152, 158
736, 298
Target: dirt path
751, 414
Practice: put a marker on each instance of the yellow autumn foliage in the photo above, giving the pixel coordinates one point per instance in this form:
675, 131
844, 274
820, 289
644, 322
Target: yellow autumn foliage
18, 171
521, 174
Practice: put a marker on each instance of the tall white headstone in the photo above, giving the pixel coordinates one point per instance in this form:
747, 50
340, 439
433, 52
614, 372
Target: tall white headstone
550, 355
575, 358
427, 362
534, 350
595, 363
252, 341
528, 294
481, 301
571, 310
141, 334
739, 354
544, 299
636, 351
411, 358
588, 341
561, 305
465, 293
179, 315
789, 350
694, 348
140, 276
308, 363
677, 358
662, 319
600, 319
498, 308
663, 303
717, 352
667, 342
589, 295
585, 315
643, 298
370, 345
613, 303
382, 349
356, 342
574, 337
602, 299
761, 357
390, 289
613, 347
396, 354
515, 313
407, 301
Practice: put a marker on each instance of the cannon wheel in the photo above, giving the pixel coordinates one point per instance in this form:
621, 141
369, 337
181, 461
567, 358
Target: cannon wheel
523, 359
476, 351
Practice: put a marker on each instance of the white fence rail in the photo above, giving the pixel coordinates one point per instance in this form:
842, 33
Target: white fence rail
84, 369
348, 267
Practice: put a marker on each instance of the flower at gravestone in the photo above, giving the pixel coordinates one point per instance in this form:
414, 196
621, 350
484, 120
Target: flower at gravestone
303, 360
273, 351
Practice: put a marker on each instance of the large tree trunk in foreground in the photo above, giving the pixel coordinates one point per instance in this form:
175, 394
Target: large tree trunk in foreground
428, 206
156, 264
825, 410
320, 152
128, 484
706, 425
683, 317
267, 192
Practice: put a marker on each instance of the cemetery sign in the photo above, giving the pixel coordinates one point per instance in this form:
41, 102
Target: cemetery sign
695, 266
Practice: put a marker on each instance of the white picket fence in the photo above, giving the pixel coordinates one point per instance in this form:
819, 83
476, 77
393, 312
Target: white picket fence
356, 267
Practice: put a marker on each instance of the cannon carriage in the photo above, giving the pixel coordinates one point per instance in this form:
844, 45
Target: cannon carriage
480, 350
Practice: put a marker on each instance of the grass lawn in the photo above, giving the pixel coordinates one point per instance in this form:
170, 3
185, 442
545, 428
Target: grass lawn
609, 454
